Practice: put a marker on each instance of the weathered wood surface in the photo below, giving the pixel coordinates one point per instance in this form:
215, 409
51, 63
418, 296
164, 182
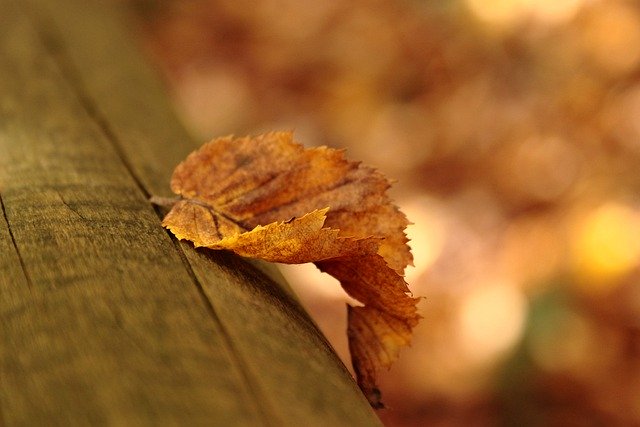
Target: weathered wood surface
104, 318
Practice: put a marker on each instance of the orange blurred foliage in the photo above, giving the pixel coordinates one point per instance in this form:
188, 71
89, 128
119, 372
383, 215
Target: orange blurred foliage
513, 127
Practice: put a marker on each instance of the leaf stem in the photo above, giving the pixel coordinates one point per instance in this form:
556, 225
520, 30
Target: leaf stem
165, 202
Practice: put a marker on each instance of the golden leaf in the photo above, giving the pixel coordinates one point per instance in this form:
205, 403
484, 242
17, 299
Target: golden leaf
268, 197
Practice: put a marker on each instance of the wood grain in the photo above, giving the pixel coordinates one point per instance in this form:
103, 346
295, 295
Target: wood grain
106, 319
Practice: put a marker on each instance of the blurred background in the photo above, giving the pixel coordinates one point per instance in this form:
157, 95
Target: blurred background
512, 128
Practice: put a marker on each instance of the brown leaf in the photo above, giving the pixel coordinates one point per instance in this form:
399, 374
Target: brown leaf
383, 326
268, 197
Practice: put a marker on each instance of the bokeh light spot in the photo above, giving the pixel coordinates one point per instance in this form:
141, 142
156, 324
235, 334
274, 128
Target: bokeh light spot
606, 246
611, 37
509, 13
491, 320
426, 235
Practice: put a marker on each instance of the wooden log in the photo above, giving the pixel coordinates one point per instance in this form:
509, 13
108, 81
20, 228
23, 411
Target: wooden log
105, 319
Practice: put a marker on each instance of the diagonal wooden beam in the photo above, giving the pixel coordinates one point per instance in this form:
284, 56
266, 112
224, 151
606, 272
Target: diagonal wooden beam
104, 318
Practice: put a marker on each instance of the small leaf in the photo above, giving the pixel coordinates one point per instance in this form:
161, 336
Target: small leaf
268, 197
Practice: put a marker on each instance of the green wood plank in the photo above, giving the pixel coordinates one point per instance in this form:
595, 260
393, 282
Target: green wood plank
13, 279
286, 358
293, 376
109, 328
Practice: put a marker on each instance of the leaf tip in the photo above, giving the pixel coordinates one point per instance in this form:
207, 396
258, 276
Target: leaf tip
375, 398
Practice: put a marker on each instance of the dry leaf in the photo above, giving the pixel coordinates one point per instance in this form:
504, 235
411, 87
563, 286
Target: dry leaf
268, 197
